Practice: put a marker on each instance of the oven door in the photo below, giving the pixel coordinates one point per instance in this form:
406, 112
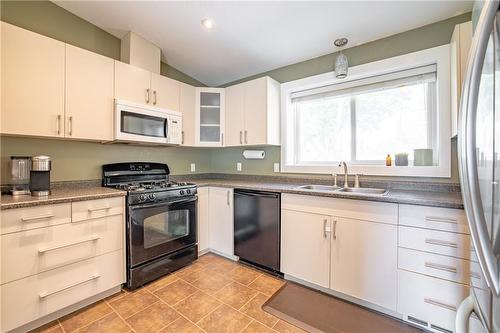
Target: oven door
158, 229
138, 124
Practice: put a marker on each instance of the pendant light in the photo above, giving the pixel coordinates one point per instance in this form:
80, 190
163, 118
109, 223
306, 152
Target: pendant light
341, 63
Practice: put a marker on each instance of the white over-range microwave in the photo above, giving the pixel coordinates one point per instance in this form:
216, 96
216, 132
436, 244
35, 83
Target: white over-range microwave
146, 124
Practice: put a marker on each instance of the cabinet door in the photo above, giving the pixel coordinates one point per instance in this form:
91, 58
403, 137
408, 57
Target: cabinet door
165, 92
255, 112
32, 76
132, 84
202, 219
305, 246
364, 260
235, 117
89, 95
187, 108
221, 220
210, 103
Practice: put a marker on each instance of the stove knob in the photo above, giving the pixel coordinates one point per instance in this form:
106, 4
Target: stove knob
152, 196
181, 192
142, 197
188, 191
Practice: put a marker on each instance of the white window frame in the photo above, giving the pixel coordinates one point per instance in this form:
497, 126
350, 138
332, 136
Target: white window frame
438, 55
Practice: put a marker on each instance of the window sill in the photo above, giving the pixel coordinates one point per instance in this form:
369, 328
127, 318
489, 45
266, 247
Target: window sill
374, 170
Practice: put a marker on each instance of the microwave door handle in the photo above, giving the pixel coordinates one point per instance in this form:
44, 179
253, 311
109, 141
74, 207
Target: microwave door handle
467, 148
165, 128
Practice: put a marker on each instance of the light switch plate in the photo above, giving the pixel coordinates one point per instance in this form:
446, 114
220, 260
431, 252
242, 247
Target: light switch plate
193, 167
238, 166
276, 167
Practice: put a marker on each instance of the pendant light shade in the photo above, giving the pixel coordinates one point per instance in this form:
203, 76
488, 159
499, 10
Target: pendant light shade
341, 63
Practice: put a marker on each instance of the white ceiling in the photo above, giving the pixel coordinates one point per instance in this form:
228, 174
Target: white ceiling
252, 37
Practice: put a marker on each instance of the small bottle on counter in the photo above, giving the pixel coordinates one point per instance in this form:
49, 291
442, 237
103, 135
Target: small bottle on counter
388, 160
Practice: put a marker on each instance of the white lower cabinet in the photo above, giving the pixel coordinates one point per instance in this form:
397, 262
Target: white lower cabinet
221, 229
352, 256
56, 256
364, 261
306, 246
202, 219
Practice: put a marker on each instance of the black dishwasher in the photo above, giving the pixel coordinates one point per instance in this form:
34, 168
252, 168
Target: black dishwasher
257, 228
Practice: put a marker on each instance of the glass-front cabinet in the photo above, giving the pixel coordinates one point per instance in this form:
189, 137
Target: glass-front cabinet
210, 117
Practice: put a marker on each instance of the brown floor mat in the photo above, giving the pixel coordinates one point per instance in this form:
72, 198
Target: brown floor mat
314, 311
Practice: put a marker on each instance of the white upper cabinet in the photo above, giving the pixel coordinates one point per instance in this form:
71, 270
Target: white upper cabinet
460, 45
253, 113
364, 260
235, 115
89, 95
32, 80
209, 117
132, 83
165, 92
187, 108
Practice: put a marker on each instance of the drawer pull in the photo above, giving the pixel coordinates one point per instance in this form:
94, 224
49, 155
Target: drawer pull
440, 267
440, 219
440, 304
45, 294
93, 239
34, 218
441, 243
91, 210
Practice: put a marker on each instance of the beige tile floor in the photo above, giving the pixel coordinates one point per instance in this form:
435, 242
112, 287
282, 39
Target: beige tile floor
212, 295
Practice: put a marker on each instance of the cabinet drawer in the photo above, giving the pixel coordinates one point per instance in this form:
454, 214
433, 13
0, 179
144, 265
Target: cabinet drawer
91, 209
34, 217
48, 248
36, 296
444, 267
429, 300
439, 242
436, 218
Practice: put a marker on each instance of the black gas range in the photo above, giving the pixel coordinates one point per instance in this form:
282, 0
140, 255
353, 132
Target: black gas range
161, 219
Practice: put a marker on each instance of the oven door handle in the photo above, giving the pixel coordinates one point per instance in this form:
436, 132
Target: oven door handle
164, 203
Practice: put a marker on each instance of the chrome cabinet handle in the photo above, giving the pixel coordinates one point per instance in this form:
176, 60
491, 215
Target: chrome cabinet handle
154, 97
147, 95
467, 147
246, 137
441, 219
92, 239
44, 294
182, 137
441, 243
440, 304
91, 210
440, 267
35, 218
70, 125
325, 233
227, 197
334, 229
222, 139
58, 124
241, 141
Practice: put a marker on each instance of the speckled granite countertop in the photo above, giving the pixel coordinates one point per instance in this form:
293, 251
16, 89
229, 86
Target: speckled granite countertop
414, 197
60, 195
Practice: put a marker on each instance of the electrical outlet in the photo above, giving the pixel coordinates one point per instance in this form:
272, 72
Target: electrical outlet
276, 167
193, 167
238, 166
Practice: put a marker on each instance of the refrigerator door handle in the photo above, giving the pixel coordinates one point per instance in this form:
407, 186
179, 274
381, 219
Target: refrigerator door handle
467, 147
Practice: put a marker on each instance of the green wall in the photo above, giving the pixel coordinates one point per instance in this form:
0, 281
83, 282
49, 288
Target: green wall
82, 160
46, 18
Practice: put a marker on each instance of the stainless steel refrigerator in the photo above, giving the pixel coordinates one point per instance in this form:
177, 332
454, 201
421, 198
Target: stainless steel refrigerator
479, 165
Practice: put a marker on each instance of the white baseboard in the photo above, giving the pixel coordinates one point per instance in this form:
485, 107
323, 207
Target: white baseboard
228, 256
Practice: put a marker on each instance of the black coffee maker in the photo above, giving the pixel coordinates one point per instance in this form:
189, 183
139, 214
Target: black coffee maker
40, 176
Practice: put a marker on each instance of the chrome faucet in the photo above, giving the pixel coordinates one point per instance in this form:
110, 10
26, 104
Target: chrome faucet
346, 184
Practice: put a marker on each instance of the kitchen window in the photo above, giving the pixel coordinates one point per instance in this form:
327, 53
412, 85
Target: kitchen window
387, 107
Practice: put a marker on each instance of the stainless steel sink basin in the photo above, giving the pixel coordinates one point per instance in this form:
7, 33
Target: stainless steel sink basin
364, 190
324, 188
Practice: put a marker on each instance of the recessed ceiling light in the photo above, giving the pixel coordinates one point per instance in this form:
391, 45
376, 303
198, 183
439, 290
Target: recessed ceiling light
208, 23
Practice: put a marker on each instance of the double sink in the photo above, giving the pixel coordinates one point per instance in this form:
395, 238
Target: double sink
338, 189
